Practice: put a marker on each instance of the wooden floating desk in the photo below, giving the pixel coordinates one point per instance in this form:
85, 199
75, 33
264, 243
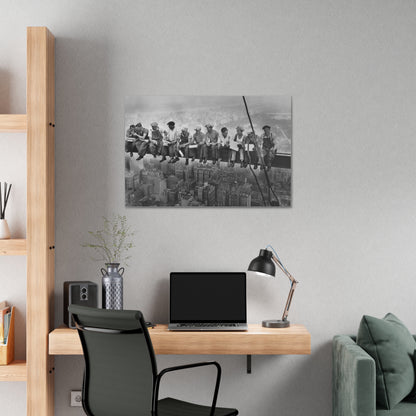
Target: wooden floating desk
256, 341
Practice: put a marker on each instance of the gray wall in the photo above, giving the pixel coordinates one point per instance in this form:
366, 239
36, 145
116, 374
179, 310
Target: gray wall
350, 237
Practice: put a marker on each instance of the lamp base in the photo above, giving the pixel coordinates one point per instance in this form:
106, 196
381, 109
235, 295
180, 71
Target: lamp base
275, 323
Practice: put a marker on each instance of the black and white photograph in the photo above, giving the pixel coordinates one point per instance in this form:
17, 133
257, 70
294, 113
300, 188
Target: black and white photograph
208, 151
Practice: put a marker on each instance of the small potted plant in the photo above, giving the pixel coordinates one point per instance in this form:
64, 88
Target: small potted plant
4, 198
111, 245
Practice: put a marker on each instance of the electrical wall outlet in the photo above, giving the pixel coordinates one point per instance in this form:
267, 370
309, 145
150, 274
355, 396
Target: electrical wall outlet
76, 398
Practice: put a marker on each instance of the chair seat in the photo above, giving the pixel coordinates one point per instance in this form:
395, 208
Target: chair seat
173, 407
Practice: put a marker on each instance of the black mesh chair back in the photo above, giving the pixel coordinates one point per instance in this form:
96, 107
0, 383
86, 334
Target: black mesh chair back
120, 365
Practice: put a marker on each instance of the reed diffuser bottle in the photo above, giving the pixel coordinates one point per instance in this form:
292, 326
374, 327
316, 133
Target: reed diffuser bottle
4, 198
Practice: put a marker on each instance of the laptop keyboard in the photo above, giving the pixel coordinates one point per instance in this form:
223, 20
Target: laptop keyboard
208, 325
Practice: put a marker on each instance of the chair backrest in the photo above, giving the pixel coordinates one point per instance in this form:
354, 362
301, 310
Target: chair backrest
120, 365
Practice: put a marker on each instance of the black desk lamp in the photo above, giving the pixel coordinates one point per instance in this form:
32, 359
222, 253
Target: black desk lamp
264, 265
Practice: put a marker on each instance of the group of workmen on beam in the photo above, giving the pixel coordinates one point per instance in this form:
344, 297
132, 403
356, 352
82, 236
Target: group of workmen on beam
223, 146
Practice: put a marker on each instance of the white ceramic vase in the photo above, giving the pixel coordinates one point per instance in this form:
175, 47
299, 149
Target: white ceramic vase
4, 230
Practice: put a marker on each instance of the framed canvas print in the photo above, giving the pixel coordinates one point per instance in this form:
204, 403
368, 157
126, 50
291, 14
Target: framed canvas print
208, 151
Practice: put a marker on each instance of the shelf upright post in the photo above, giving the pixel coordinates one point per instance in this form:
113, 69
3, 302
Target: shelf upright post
40, 218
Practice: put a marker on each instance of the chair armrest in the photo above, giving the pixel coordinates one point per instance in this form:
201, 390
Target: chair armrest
186, 367
354, 379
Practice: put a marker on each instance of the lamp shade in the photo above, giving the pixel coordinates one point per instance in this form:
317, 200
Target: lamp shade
263, 264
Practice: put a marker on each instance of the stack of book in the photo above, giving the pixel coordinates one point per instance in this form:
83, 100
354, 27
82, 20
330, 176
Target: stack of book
6, 333
5, 318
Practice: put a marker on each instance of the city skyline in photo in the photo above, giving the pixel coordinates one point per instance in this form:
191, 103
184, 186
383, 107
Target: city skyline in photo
150, 183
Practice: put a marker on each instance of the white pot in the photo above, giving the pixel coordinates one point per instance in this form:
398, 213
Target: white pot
4, 230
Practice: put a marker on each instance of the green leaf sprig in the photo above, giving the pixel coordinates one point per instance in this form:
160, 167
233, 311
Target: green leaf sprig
113, 241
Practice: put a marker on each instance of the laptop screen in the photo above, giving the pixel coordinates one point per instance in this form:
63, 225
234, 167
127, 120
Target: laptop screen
208, 297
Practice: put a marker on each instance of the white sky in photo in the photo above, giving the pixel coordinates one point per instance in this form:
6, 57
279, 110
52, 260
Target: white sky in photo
143, 103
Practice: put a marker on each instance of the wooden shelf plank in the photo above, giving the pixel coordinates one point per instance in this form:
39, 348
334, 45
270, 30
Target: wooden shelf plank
256, 341
13, 123
13, 247
16, 371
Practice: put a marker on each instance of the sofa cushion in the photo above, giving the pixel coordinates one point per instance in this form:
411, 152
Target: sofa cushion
392, 347
402, 409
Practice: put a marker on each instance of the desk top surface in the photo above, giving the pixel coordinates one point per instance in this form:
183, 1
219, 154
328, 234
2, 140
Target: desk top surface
295, 339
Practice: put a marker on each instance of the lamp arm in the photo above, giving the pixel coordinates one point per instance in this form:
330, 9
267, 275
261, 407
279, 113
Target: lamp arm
293, 285
289, 300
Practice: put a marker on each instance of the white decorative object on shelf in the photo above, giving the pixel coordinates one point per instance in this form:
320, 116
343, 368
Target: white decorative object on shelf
4, 198
4, 230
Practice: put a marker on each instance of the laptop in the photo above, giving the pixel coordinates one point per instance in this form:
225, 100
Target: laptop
208, 302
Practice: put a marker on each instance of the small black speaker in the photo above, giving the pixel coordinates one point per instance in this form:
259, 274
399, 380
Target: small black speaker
79, 293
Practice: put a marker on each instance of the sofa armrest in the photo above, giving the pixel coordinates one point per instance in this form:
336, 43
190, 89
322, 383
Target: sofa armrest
353, 379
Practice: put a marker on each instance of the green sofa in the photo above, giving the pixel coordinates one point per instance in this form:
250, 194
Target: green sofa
353, 382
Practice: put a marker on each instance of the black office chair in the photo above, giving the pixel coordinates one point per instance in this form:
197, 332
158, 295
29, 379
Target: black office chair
120, 377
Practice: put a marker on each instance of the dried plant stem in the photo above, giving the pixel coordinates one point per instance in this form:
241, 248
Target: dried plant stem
113, 241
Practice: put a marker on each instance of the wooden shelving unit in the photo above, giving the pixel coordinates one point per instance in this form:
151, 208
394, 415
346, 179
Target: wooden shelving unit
13, 247
16, 371
39, 244
13, 123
